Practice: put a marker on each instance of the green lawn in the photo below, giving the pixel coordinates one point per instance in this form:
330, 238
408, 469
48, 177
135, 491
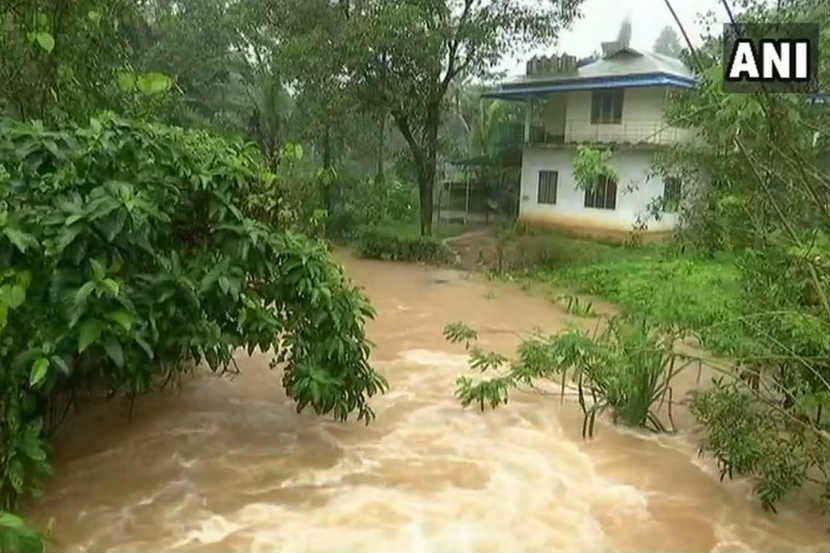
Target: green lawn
696, 293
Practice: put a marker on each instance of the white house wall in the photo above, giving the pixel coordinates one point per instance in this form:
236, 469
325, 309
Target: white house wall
642, 118
633, 169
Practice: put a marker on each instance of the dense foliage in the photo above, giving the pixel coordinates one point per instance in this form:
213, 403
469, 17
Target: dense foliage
378, 243
757, 186
131, 251
406, 55
369, 202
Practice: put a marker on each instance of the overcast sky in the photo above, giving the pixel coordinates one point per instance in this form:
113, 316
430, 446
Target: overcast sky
601, 21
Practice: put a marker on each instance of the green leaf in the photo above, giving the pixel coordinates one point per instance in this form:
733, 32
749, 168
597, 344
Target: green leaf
8, 520
145, 346
122, 317
61, 364
31, 446
90, 331
83, 292
111, 285
15, 475
20, 239
17, 295
98, 268
38, 373
115, 351
94, 16
154, 83
126, 81
45, 41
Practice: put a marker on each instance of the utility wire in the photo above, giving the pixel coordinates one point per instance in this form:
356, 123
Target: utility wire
692, 50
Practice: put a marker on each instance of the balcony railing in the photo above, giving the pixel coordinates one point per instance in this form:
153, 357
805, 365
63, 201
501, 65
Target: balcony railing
626, 132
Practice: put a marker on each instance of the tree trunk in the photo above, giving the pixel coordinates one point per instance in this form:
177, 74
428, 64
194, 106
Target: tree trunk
426, 179
426, 175
424, 155
381, 144
326, 184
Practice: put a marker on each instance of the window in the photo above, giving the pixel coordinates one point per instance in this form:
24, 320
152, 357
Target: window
547, 187
606, 106
671, 194
603, 195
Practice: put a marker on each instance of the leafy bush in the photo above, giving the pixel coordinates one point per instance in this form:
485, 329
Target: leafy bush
626, 368
749, 437
381, 244
754, 185
129, 253
370, 202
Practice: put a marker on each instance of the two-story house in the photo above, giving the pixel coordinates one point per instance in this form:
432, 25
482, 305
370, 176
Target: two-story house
618, 101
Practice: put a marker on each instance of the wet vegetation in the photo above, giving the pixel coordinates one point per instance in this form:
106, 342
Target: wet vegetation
381, 244
625, 368
173, 175
136, 250
748, 273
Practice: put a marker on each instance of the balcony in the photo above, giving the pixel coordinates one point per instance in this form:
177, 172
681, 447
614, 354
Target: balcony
652, 132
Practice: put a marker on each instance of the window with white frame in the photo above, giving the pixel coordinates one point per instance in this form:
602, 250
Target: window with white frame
548, 181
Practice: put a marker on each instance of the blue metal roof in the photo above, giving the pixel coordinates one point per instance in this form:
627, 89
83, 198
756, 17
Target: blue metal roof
524, 90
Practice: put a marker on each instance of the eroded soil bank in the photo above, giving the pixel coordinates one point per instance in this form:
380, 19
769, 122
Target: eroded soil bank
227, 465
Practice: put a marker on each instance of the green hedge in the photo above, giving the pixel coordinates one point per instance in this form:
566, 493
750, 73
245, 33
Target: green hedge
377, 243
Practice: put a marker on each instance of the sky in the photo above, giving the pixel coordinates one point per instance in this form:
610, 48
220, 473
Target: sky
601, 21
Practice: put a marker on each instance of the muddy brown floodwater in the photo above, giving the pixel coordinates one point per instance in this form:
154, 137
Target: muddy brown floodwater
227, 465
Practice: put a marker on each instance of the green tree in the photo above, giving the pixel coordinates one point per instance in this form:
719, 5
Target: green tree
62, 60
406, 55
668, 43
756, 184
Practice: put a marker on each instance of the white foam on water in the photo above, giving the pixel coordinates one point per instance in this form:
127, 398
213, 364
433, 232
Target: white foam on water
213, 530
432, 358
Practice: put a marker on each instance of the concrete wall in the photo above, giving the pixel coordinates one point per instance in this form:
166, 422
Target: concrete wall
632, 166
640, 105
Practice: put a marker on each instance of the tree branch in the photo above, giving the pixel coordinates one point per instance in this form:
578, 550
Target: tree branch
453, 48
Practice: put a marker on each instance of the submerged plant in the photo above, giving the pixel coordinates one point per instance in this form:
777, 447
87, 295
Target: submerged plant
577, 306
626, 368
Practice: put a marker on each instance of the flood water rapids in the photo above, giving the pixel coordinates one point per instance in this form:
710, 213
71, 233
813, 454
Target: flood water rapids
223, 464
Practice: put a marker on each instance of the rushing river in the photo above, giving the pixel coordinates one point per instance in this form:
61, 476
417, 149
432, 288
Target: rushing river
228, 465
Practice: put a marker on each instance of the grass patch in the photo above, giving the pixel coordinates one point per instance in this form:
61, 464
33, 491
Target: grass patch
534, 247
380, 243
697, 294
412, 229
